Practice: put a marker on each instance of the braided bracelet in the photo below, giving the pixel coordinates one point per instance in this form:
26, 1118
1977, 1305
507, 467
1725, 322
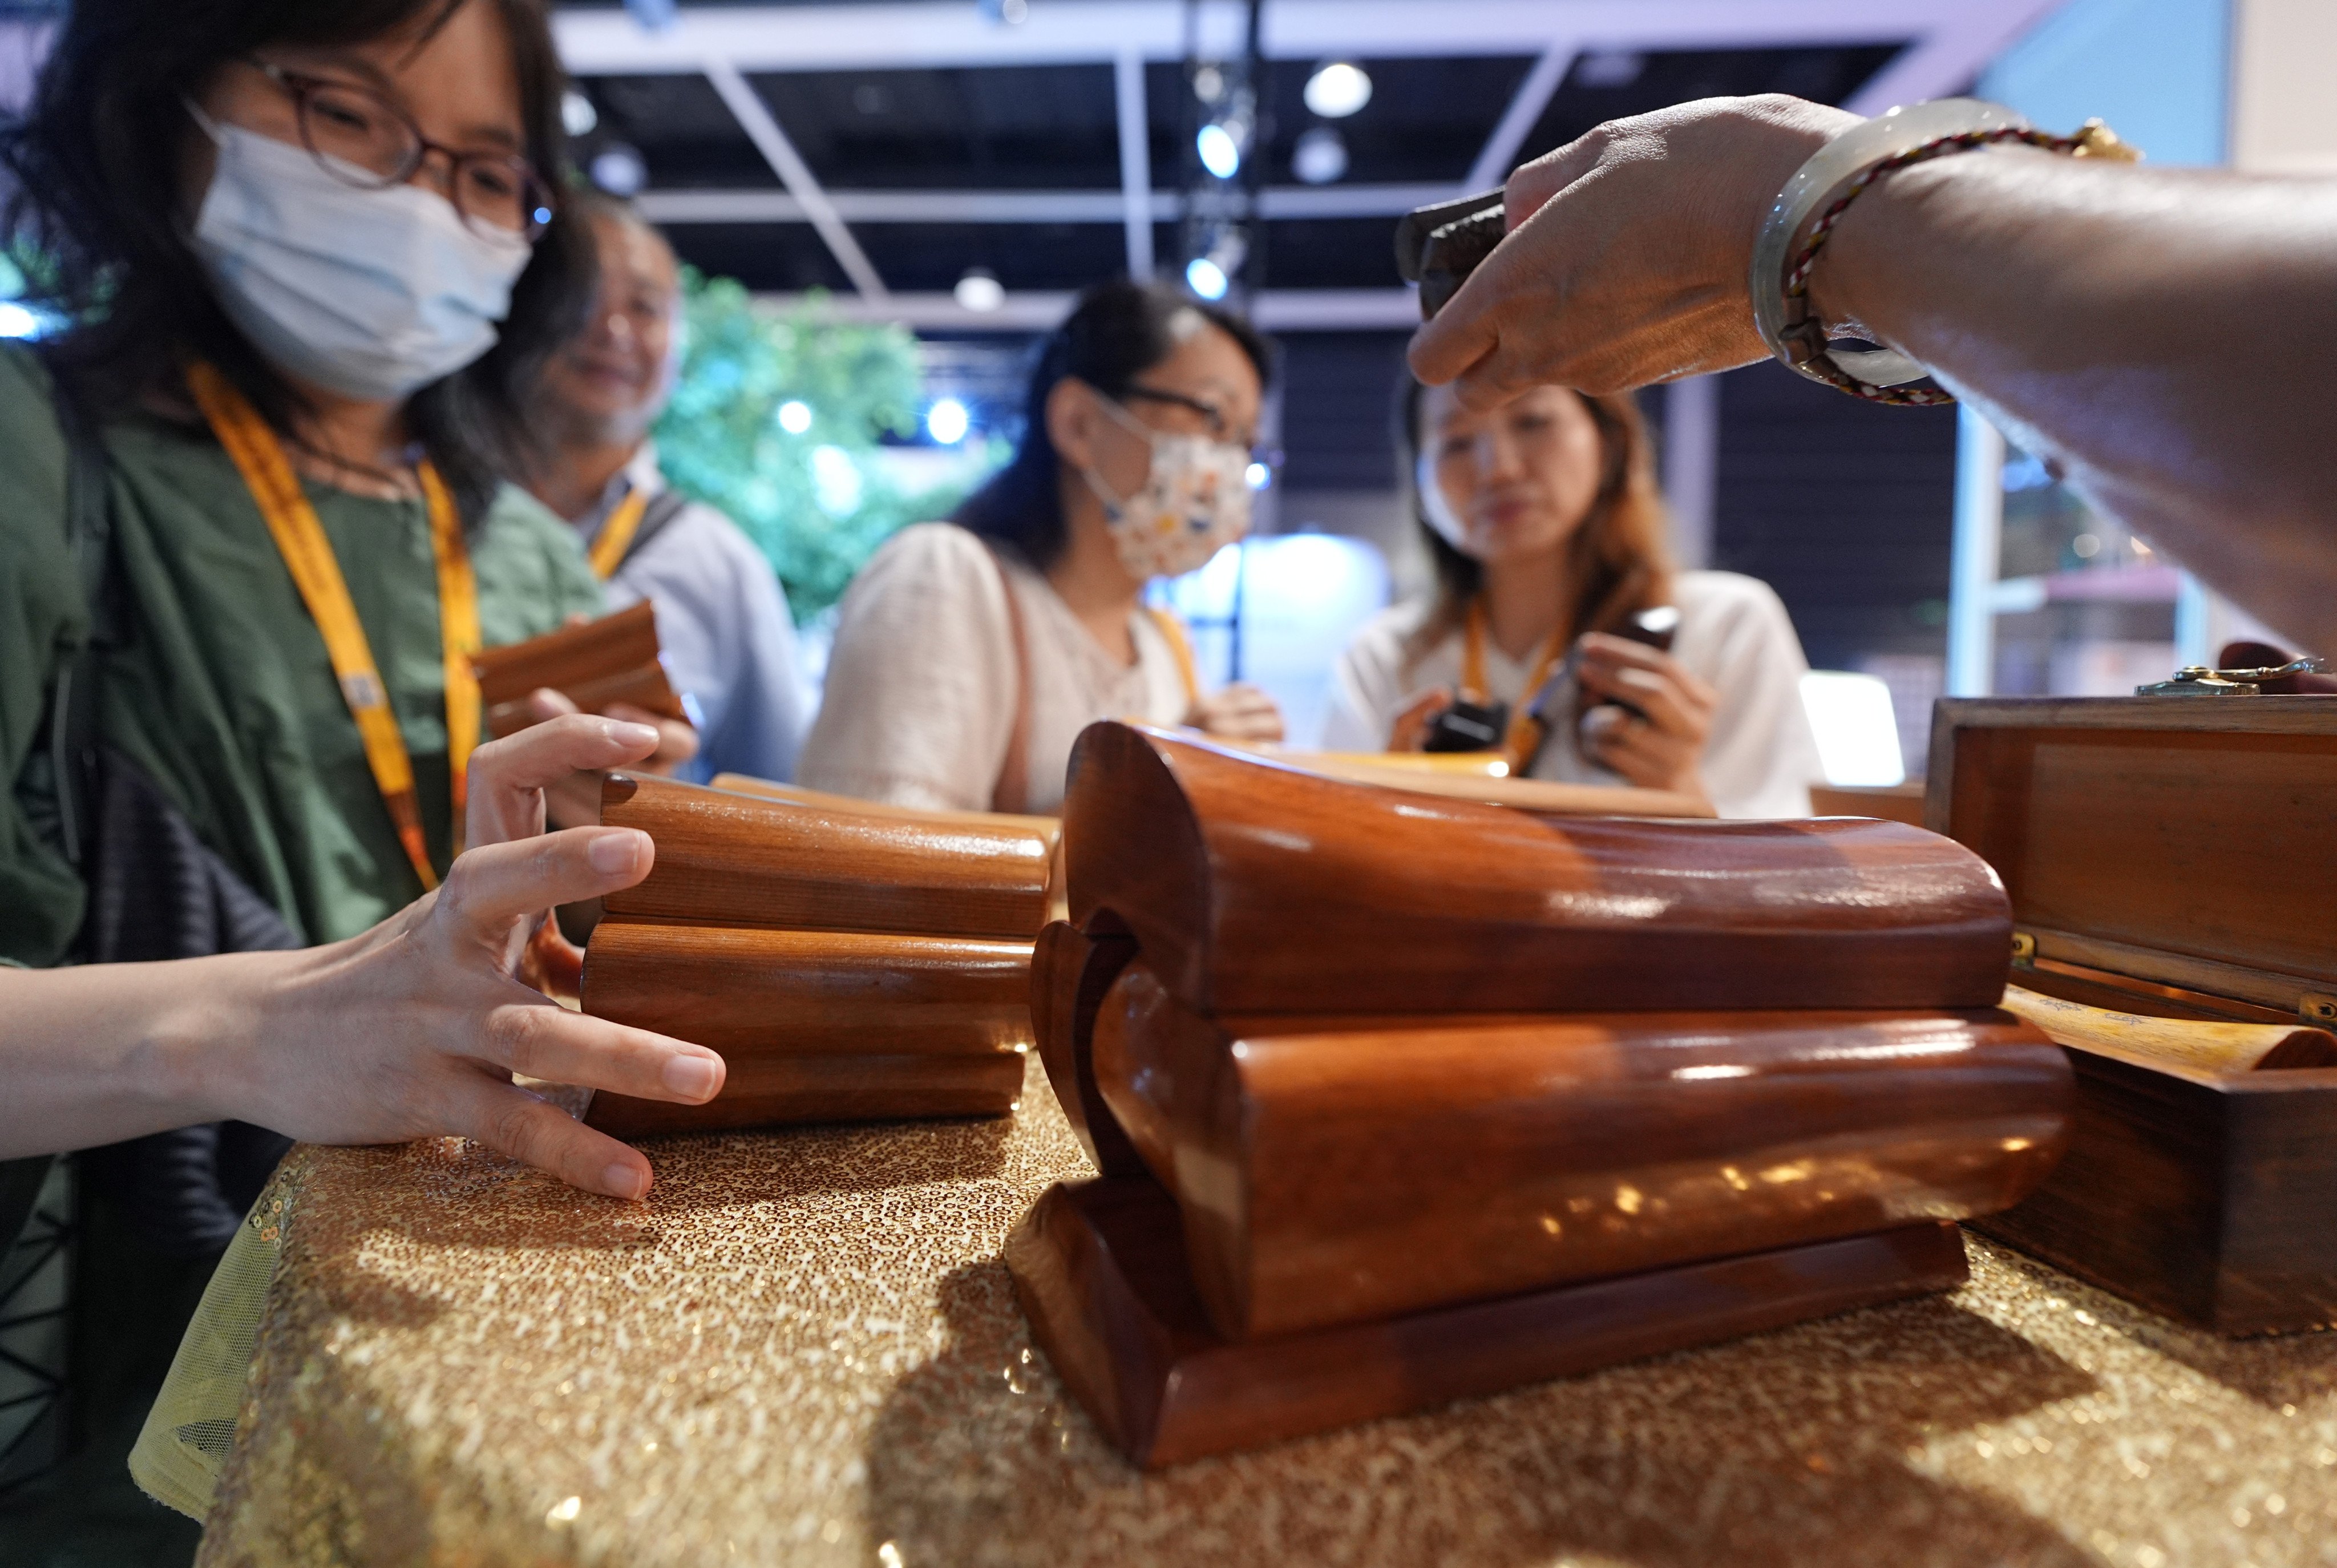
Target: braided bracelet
1836, 175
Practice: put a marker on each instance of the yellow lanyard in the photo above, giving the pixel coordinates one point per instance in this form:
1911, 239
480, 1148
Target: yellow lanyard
608, 546
1181, 647
1472, 675
299, 537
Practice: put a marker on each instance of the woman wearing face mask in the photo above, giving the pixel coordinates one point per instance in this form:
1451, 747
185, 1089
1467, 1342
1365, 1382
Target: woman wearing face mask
296, 254
971, 654
1546, 529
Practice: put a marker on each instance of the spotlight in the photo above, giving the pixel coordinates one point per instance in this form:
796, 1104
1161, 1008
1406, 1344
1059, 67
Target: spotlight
1221, 153
15, 321
1320, 156
617, 168
979, 291
1208, 83
947, 421
1206, 278
577, 113
1259, 475
1338, 89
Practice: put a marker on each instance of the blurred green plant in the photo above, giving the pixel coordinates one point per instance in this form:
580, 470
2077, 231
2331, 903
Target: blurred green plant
808, 484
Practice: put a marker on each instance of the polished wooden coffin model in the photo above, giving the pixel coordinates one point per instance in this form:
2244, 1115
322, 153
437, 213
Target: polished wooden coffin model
594, 663
849, 963
2172, 858
1398, 1097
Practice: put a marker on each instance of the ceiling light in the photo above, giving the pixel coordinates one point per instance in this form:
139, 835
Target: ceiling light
1338, 89
1610, 68
947, 421
1258, 476
1206, 278
619, 170
1220, 152
1320, 157
980, 291
1013, 12
577, 113
794, 416
652, 15
15, 321
1208, 83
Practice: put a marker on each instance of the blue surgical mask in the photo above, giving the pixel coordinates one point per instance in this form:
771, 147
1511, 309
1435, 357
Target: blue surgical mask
372, 293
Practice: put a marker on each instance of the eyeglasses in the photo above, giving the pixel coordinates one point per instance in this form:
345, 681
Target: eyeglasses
1219, 428
362, 137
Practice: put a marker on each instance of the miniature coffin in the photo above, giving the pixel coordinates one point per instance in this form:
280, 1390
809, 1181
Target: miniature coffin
848, 965
594, 663
1398, 1097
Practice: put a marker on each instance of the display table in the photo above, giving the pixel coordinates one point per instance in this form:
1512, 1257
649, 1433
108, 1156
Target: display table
803, 1348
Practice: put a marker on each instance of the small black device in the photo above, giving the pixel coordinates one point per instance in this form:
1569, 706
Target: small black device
1438, 246
1467, 726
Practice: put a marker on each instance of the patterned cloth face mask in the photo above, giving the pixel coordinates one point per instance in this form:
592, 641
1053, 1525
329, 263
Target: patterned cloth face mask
1193, 503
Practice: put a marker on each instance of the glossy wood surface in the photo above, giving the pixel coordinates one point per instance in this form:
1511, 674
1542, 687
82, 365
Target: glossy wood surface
1047, 827
1341, 1169
1255, 888
769, 1088
1890, 802
726, 858
1070, 973
1099, 1271
1471, 776
2171, 856
2209, 1046
744, 991
2194, 827
595, 663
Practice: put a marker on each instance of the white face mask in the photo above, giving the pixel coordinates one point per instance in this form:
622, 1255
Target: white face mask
370, 293
1193, 503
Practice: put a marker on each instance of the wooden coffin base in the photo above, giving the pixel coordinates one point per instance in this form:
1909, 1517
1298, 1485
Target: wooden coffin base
1099, 1269
771, 1089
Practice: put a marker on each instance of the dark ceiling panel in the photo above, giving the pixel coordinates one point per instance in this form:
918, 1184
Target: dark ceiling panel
768, 258
1611, 85
686, 134
916, 257
1427, 120
1008, 127
1330, 253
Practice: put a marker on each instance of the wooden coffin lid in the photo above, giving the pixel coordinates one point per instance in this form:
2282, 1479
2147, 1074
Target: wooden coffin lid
1047, 827
2190, 842
594, 663
725, 859
1255, 888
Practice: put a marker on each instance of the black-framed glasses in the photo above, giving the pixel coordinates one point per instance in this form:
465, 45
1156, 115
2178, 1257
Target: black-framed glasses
364, 138
1219, 428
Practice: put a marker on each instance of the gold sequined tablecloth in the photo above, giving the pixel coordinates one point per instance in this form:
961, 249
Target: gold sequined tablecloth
804, 1349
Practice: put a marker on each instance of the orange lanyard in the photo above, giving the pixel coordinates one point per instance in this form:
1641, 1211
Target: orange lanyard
1472, 674
608, 546
1181, 647
299, 537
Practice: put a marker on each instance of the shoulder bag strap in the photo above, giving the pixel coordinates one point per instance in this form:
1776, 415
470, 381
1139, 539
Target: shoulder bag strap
1012, 792
664, 507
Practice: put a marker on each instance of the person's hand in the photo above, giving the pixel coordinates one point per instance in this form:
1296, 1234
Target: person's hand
1661, 746
1238, 712
414, 1029
1409, 733
575, 801
1627, 254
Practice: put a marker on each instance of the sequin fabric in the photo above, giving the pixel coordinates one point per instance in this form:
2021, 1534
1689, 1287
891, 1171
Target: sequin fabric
803, 1348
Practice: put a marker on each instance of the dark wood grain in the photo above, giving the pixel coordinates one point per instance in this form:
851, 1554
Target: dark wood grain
745, 992
594, 664
1890, 802
726, 858
767, 1088
1099, 1271
1338, 1170
2171, 856
1254, 888
1070, 973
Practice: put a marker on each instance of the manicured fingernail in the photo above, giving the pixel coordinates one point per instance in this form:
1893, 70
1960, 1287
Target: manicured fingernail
623, 732
691, 1076
617, 851
623, 1182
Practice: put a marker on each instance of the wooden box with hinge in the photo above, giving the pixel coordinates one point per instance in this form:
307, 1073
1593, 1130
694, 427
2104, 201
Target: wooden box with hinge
2169, 859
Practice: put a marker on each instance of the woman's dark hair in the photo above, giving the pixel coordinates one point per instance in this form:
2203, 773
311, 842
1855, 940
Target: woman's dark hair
1618, 557
1117, 332
95, 214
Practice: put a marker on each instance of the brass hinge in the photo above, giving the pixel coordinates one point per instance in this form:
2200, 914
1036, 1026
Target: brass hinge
2024, 947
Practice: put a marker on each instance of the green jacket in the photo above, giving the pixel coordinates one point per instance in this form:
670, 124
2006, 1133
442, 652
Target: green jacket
222, 691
